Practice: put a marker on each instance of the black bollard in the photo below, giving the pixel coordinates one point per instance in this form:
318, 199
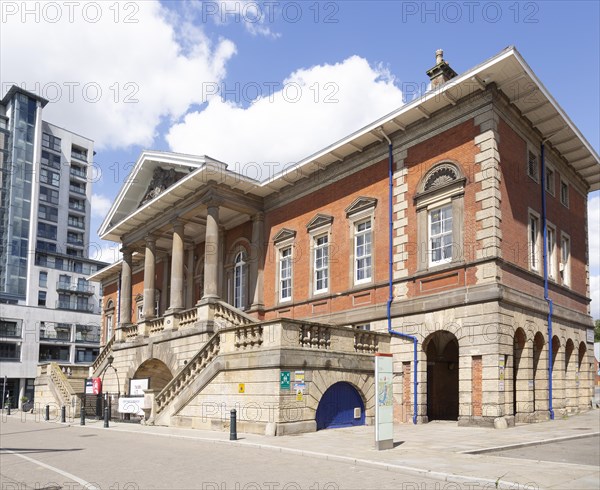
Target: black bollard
47, 413
82, 415
233, 426
63, 414
106, 417
8, 406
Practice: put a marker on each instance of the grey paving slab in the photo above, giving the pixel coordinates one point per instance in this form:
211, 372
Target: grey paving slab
433, 451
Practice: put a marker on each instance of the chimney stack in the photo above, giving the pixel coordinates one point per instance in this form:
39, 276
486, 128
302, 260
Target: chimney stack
441, 72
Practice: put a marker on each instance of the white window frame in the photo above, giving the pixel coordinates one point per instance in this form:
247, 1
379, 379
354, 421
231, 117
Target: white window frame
550, 173
564, 202
532, 151
443, 260
565, 262
282, 261
365, 256
551, 250
323, 248
240, 273
533, 241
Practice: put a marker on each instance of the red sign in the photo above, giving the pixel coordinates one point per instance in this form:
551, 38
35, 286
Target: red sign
97, 386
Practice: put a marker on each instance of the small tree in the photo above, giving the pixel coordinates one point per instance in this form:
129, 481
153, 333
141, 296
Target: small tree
597, 331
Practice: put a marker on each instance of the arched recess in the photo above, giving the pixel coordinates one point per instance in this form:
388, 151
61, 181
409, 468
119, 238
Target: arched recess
442, 375
540, 374
341, 405
583, 394
570, 389
558, 388
158, 372
521, 393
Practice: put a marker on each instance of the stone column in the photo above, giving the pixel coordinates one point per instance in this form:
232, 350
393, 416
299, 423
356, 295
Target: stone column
221, 287
189, 287
125, 293
211, 256
149, 273
256, 261
176, 300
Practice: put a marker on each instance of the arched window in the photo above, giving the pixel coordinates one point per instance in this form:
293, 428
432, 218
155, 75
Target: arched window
439, 203
239, 280
109, 312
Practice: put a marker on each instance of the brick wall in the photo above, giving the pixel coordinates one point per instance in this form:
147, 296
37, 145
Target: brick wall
521, 193
455, 145
331, 200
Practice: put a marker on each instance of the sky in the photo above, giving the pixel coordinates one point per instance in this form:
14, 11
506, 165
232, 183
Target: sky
250, 82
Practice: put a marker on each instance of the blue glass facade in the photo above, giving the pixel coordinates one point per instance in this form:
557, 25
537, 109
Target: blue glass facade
17, 176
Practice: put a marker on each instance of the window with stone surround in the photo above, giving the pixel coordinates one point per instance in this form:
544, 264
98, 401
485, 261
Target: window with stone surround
109, 315
285, 274
361, 217
533, 240
532, 165
284, 245
549, 184
239, 280
319, 229
440, 208
237, 275
564, 193
565, 259
551, 250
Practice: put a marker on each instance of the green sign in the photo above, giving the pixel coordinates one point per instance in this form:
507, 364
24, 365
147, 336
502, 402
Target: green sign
284, 380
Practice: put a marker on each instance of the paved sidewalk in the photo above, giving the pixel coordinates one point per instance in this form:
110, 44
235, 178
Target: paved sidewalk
439, 450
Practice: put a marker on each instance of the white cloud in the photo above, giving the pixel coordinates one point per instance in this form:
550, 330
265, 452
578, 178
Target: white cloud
306, 112
110, 70
594, 252
100, 205
254, 16
105, 251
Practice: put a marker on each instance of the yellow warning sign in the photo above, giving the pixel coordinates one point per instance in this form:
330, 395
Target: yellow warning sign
241, 388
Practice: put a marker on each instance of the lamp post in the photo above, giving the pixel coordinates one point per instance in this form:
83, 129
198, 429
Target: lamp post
109, 363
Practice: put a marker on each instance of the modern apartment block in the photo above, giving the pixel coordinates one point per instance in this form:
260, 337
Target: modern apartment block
48, 309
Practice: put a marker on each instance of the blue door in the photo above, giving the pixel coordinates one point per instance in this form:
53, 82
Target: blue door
336, 408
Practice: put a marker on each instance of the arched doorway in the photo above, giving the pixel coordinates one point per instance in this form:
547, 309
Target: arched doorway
157, 371
338, 406
442, 376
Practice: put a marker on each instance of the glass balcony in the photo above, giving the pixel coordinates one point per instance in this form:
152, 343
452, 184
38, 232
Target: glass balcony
74, 172
54, 332
77, 206
74, 287
75, 306
77, 189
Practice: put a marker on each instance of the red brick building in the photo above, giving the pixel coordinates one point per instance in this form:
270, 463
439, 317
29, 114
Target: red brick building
477, 192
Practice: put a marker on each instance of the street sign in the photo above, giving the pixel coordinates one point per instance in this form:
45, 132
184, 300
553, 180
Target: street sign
241, 388
284, 380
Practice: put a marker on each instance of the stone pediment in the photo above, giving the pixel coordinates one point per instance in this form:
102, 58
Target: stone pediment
318, 221
361, 204
284, 234
162, 179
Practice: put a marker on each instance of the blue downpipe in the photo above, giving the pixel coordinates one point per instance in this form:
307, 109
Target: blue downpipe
546, 295
391, 278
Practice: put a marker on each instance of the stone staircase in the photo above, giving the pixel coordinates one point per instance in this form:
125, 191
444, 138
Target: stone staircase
59, 386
